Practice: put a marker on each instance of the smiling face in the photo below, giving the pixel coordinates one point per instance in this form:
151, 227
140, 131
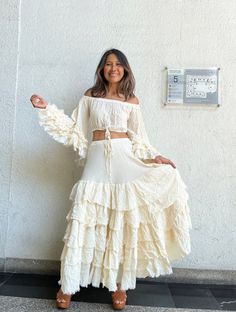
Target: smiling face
113, 69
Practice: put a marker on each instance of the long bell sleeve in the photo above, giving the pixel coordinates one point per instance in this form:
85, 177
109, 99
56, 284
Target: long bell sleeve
141, 145
70, 131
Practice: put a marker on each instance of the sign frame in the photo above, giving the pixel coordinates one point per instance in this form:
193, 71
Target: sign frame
195, 86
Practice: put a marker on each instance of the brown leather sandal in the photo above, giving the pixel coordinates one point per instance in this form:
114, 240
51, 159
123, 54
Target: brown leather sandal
63, 300
119, 299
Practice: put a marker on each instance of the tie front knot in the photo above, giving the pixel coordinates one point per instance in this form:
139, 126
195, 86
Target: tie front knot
107, 133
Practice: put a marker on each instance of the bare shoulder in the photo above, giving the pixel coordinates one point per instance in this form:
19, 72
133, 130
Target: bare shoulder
133, 100
88, 92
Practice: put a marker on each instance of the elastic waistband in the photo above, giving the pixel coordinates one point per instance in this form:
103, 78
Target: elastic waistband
114, 140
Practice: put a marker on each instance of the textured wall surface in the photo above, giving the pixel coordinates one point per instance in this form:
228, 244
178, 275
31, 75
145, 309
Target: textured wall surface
60, 44
9, 11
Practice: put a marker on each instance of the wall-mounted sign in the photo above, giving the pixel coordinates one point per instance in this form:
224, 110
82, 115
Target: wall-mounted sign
193, 86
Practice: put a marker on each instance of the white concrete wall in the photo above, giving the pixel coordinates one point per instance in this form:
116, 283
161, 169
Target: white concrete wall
60, 44
8, 84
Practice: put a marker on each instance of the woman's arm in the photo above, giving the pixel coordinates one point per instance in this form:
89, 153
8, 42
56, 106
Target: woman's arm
142, 147
70, 131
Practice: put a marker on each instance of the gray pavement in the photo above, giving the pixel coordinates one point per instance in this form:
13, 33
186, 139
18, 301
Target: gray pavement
19, 304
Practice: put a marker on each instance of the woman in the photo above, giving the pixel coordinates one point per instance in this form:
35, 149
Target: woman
129, 216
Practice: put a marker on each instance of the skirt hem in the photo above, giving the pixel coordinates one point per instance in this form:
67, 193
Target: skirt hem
120, 232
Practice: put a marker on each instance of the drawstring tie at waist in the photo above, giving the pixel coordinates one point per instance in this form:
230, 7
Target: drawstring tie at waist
108, 152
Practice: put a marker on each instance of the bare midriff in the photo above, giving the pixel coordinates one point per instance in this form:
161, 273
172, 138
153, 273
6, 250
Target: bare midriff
100, 135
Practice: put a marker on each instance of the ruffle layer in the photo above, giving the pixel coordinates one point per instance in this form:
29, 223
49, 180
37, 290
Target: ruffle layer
118, 232
142, 150
161, 185
63, 129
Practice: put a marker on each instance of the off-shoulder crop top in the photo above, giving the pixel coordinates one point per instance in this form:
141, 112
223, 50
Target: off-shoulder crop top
97, 114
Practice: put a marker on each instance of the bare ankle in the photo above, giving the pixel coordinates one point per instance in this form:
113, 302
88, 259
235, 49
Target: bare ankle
119, 287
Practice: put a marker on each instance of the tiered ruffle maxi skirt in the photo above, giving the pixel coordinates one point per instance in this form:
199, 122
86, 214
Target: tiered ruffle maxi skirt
128, 220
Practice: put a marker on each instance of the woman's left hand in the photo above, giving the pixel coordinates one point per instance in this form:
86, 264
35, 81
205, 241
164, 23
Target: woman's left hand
162, 160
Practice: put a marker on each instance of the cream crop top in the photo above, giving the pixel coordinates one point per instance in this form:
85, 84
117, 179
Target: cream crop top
97, 114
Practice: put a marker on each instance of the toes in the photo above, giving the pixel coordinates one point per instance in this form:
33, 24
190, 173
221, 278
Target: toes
119, 301
61, 300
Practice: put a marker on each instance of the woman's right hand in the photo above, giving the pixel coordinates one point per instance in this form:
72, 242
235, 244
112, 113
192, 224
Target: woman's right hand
38, 102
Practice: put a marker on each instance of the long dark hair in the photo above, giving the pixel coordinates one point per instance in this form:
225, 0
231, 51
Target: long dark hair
126, 85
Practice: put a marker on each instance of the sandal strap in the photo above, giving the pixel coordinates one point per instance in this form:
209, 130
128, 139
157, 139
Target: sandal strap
119, 295
60, 295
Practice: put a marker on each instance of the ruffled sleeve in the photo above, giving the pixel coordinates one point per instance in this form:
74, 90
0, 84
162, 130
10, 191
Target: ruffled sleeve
141, 145
70, 131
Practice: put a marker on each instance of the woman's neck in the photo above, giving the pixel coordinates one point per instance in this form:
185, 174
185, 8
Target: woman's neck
114, 95
112, 90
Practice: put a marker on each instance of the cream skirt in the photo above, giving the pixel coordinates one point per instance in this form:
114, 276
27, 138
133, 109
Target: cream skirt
128, 220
